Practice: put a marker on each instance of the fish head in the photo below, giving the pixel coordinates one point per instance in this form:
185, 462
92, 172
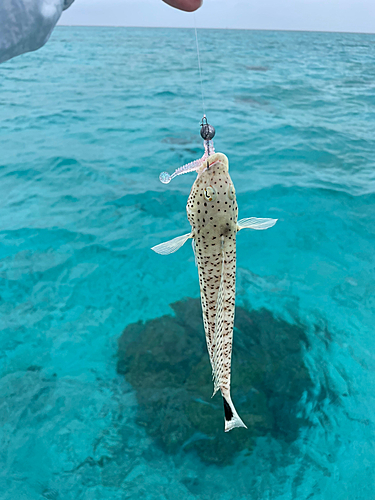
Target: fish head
213, 193
217, 160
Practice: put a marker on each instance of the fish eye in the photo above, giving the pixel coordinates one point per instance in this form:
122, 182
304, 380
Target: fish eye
210, 193
231, 192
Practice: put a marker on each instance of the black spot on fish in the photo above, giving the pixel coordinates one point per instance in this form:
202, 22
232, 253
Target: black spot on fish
227, 411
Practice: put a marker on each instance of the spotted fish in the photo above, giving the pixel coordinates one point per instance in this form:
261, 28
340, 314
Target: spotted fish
212, 212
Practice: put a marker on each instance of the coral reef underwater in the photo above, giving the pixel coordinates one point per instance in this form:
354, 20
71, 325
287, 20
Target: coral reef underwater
166, 361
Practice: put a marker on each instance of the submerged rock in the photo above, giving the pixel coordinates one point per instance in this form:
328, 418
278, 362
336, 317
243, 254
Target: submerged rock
166, 361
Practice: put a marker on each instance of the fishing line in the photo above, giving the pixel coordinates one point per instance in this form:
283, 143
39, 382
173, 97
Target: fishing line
207, 133
199, 64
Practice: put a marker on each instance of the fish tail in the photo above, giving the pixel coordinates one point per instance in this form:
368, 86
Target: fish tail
232, 419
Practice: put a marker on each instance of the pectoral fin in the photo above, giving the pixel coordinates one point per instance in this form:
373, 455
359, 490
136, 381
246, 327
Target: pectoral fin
254, 223
172, 245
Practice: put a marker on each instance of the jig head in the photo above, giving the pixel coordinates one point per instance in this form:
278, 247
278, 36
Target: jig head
207, 134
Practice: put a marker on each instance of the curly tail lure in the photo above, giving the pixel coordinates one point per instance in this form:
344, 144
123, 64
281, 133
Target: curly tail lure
207, 134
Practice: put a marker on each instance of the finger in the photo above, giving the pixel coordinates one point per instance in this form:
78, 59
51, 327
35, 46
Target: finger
187, 5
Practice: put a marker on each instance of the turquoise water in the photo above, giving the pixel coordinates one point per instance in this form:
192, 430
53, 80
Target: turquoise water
87, 123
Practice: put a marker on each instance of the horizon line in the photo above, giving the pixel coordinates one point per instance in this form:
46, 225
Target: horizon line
205, 28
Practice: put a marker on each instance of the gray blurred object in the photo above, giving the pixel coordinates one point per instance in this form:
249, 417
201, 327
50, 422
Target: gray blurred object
26, 25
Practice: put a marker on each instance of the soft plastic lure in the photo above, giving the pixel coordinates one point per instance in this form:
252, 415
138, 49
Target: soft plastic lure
207, 133
212, 212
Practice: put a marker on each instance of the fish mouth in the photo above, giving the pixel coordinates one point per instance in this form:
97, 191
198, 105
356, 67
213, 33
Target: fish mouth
216, 158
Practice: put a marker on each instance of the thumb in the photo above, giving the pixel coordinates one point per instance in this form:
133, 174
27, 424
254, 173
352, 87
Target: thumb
187, 5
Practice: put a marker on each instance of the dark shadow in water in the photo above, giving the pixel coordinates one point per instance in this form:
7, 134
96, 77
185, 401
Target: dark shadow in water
166, 361
249, 100
181, 140
254, 103
257, 68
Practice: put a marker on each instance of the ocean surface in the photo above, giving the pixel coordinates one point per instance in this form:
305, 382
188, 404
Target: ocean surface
86, 125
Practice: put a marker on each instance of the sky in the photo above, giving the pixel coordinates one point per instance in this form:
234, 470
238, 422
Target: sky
306, 15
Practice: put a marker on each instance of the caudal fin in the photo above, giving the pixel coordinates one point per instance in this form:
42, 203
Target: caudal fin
232, 419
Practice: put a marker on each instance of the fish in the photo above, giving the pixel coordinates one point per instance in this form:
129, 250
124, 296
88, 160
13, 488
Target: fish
212, 211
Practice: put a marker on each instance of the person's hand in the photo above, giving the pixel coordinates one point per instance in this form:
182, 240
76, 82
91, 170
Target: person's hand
26, 25
187, 5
